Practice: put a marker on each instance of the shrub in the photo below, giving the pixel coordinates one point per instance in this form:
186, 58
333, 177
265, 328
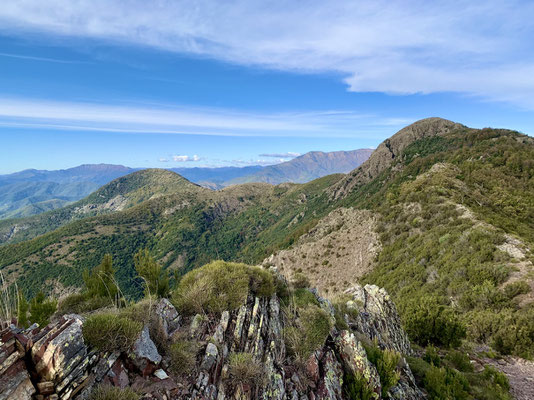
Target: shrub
429, 322
300, 281
220, 286
103, 392
496, 377
244, 370
515, 289
446, 384
111, 332
356, 387
386, 362
156, 280
80, 303
41, 309
303, 297
308, 332
460, 361
432, 356
182, 355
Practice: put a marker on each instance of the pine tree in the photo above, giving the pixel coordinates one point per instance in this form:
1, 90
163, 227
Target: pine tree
155, 279
101, 280
22, 311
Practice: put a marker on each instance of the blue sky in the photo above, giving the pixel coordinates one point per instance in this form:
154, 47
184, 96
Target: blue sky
175, 83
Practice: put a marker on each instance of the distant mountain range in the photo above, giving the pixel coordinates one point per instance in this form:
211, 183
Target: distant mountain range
32, 191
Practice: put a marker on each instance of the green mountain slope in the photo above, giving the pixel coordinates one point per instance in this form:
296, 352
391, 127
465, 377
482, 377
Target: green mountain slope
120, 194
451, 208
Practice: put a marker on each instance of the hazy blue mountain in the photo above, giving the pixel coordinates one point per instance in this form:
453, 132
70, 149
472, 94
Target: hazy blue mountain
32, 191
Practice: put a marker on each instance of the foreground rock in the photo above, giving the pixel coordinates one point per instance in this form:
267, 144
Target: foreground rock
59, 365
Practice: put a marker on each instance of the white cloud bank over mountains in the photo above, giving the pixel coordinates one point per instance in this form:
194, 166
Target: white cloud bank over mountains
482, 49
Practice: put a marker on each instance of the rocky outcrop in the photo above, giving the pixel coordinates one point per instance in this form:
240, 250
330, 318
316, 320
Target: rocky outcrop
389, 150
15, 380
55, 363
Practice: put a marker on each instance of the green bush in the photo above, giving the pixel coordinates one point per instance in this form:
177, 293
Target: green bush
182, 355
446, 384
386, 362
460, 361
307, 332
111, 332
303, 297
41, 309
515, 289
300, 281
496, 377
431, 356
221, 286
79, 303
103, 392
244, 370
429, 322
356, 387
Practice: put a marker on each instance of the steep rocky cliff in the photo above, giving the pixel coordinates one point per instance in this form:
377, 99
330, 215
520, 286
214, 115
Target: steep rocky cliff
55, 362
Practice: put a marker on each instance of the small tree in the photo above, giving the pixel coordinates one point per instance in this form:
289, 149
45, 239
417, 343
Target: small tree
101, 280
155, 278
22, 311
41, 309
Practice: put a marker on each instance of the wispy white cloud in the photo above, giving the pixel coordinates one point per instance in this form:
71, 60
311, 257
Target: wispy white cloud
289, 154
186, 158
34, 58
173, 119
163, 159
482, 49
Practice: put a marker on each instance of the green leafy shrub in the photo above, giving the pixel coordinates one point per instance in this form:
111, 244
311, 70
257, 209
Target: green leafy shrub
41, 309
104, 392
516, 288
111, 332
460, 361
156, 280
244, 370
303, 297
446, 384
497, 377
431, 356
220, 286
182, 355
307, 332
429, 322
386, 362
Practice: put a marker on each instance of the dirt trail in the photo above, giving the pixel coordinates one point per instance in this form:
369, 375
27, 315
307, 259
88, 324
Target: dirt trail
520, 373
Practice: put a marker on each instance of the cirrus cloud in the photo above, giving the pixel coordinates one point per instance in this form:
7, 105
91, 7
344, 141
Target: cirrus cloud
482, 49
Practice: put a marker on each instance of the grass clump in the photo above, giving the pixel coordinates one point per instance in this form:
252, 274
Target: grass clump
220, 286
386, 362
182, 355
103, 392
244, 370
111, 332
307, 332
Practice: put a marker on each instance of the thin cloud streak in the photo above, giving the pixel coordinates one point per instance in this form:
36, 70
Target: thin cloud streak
36, 113
403, 47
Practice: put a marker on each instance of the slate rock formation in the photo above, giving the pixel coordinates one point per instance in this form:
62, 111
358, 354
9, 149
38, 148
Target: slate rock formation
55, 362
